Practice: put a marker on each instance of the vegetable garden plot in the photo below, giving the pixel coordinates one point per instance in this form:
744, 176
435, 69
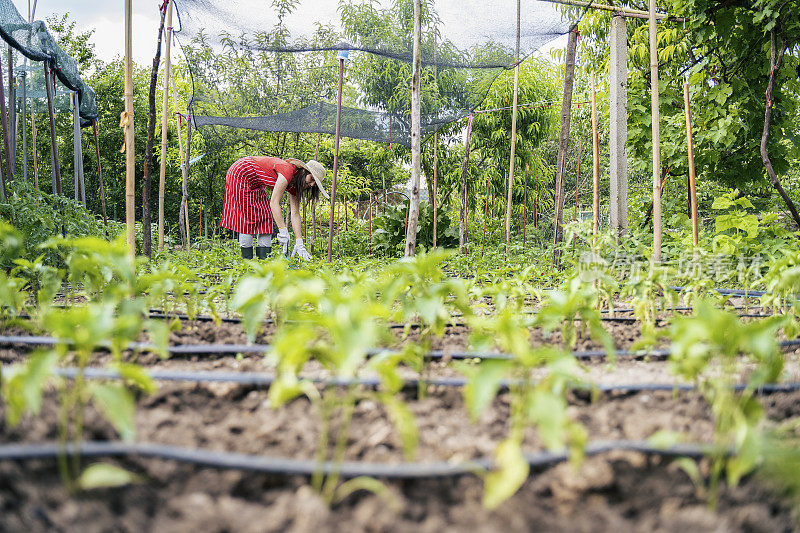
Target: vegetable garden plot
218, 418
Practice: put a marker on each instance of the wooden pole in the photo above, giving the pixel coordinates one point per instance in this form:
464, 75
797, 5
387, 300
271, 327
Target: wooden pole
463, 213
164, 128
127, 124
577, 178
184, 211
435, 153
566, 107
656, 142
525, 207
416, 90
48, 81
595, 163
510, 186
690, 148
24, 125
485, 216
35, 151
335, 158
9, 170
77, 156
12, 107
99, 173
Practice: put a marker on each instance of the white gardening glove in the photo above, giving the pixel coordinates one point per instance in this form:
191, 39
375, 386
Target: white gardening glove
300, 249
283, 239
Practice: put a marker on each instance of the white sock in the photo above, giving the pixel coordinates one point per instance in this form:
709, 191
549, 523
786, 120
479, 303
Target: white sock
265, 239
245, 240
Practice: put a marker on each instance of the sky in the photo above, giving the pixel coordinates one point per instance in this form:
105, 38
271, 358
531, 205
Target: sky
107, 19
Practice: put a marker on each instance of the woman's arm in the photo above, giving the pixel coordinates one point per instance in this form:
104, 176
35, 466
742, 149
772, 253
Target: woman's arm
275, 201
294, 204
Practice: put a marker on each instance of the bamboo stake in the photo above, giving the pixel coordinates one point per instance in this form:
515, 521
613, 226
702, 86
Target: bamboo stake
24, 125
99, 173
127, 123
509, 187
12, 107
463, 213
184, 182
35, 151
690, 148
48, 80
9, 171
164, 128
525, 207
435, 152
656, 141
335, 158
416, 90
595, 163
485, 215
577, 178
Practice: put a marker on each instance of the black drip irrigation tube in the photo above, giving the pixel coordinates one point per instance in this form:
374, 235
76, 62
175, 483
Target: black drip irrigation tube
225, 349
263, 379
302, 467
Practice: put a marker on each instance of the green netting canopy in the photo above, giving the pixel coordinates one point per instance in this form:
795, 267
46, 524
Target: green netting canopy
272, 66
34, 42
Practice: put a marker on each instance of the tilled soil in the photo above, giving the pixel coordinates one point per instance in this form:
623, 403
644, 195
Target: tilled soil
615, 490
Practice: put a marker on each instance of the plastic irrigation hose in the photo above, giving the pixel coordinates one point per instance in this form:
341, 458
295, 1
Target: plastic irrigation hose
264, 379
348, 469
221, 349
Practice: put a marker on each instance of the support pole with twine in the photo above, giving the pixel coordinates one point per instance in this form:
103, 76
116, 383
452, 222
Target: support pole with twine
48, 82
463, 196
595, 163
100, 173
342, 56
656, 141
416, 89
126, 122
690, 149
566, 107
509, 187
164, 128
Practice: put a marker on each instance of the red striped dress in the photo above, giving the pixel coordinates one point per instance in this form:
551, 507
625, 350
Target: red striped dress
246, 206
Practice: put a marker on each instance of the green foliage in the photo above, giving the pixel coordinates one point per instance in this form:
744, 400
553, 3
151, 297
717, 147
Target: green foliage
389, 236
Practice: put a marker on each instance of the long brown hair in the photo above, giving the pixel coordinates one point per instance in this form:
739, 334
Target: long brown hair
298, 181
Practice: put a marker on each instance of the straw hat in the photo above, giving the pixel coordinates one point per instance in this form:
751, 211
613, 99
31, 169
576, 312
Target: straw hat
317, 172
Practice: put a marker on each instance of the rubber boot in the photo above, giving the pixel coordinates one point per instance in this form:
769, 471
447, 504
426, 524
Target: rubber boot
262, 252
247, 253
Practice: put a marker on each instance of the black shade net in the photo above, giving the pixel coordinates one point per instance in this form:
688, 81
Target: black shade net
272, 65
35, 42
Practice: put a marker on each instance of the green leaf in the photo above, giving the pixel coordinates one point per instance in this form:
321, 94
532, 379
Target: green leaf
483, 385
405, 423
103, 475
23, 385
117, 404
137, 376
511, 471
